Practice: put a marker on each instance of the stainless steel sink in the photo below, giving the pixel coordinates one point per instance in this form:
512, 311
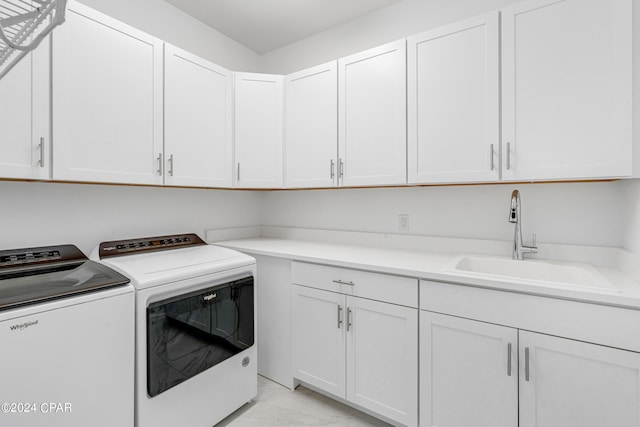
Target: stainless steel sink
578, 276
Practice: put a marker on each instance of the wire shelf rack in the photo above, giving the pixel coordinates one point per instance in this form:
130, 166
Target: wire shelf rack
23, 25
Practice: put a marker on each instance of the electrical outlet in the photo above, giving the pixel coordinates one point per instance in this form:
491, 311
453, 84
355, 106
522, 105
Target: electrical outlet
403, 222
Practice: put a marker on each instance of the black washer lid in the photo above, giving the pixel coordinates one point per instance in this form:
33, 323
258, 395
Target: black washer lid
33, 275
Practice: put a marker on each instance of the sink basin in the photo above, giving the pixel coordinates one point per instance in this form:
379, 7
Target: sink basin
576, 276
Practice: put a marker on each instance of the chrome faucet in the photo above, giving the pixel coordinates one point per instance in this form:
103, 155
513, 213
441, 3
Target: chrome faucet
514, 216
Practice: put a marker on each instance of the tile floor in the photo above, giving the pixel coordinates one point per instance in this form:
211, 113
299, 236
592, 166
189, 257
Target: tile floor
278, 406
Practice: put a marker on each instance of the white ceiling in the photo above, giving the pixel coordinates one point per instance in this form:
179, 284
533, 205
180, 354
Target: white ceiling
265, 25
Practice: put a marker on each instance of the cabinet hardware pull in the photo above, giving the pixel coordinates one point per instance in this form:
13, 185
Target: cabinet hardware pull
341, 169
238, 172
508, 155
348, 319
332, 169
526, 364
159, 164
41, 146
493, 166
509, 359
339, 316
340, 282
171, 165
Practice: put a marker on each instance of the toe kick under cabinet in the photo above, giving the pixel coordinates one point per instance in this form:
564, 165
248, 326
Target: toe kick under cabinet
355, 336
500, 359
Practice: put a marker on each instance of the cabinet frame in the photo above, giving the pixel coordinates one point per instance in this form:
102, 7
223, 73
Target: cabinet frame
66, 133
605, 162
179, 123
319, 127
34, 157
257, 125
486, 166
353, 150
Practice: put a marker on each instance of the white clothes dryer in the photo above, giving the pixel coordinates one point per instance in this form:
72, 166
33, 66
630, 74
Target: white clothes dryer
195, 327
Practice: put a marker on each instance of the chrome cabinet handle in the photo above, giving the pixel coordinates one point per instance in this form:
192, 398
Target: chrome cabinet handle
341, 282
348, 319
171, 165
341, 169
527, 377
508, 155
509, 359
332, 169
339, 316
238, 172
159, 164
493, 166
41, 146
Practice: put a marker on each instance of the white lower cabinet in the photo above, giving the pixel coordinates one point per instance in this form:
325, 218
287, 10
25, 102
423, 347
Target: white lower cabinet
382, 358
468, 373
566, 383
319, 339
474, 374
357, 349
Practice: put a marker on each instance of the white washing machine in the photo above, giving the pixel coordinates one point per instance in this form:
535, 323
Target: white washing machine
67, 336
195, 328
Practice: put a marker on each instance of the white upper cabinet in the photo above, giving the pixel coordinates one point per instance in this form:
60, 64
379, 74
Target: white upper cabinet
566, 78
311, 127
107, 101
24, 115
258, 130
372, 116
198, 121
453, 103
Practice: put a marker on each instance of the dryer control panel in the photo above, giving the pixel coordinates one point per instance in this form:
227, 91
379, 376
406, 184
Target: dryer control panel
148, 244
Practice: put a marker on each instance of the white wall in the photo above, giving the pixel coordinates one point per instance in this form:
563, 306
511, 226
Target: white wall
572, 213
391, 23
40, 214
166, 22
631, 207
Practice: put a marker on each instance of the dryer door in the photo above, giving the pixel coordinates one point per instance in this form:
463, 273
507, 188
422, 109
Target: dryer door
190, 333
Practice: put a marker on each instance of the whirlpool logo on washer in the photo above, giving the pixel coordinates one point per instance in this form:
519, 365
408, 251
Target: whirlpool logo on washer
23, 326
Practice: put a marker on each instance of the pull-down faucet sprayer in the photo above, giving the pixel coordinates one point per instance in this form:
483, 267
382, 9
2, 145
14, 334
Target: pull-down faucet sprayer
514, 217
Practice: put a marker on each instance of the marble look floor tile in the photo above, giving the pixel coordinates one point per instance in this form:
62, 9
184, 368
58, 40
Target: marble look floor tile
278, 406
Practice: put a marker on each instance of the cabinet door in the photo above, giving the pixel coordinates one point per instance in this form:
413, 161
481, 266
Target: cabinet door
311, 127
453, 103
107, 100
24, 116
565, 383
566, 75
258, 130
198, 122
382, 358
318, 335
372, 111
468, 373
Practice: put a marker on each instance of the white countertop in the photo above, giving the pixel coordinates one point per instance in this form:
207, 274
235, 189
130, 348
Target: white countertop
428, 265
